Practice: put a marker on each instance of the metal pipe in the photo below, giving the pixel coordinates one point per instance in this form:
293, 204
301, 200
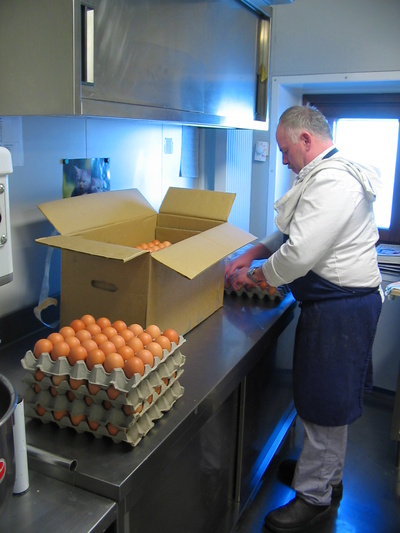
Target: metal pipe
51, 458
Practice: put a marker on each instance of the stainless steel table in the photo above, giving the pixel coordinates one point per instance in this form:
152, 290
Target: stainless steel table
220, 353
51, 506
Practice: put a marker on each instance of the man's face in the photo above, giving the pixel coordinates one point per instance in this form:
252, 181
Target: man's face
293, 154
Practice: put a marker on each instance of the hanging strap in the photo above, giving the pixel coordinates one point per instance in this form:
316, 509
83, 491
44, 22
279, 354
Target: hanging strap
44, 300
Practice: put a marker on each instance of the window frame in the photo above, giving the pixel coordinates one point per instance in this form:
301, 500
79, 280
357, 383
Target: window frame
374, 105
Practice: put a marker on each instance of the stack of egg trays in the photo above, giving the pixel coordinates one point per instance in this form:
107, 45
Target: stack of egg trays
159, 382
256, 292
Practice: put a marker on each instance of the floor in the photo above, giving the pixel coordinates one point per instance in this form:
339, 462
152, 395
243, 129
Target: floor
371, 498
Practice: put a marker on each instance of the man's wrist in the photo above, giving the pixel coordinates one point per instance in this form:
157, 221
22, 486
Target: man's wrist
251, 274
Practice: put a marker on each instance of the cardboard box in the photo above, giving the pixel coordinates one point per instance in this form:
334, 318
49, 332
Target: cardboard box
102, 273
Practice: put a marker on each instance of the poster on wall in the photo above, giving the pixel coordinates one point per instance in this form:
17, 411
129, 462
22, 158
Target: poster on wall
85, 176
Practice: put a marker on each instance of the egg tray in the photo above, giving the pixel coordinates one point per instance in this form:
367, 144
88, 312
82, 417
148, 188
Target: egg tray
131, 428
98, 375
256, 292
134, 398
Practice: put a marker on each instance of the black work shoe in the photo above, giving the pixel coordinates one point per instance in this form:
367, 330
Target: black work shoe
286, 473
297, 515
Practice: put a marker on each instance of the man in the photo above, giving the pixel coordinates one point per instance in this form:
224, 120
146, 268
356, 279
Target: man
329, 261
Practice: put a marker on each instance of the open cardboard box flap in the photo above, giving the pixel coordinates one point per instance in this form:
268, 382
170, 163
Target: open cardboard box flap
95, 210
192, 256
198, 203
96, 248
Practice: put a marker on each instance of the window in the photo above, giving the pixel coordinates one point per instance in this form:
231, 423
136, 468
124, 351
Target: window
366, 128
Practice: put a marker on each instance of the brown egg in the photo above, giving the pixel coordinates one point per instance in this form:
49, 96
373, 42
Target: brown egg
93, 329
112, 361
126, 334
118, 341
72, 341
77, 324
58, 415
89, 345
55, 337
67, 331
119, 325
136, 328
109, 332
42, 346
99, 338
77, 353
155, 349
126, 352
145, 338
94, 426
58, 379
88, 400
164, 342
39, 374
83, 335
113, 430
112, 392
76, 383
153, 330
172, 335
103, 322
60, 349
146, 356
107, 347
94, 357
88, 319
77, 419
128, 410
93, 388
40, 410
133, 365
136, 344
70, 395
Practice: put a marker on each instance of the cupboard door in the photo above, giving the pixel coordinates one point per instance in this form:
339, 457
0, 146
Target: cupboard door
174, 58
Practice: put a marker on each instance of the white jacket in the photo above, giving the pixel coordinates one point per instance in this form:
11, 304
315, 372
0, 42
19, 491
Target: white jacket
329, 218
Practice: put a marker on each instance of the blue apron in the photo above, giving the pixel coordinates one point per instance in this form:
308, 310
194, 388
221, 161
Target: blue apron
332, 365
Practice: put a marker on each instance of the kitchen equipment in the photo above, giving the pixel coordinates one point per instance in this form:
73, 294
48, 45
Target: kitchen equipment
8, 404
6, 265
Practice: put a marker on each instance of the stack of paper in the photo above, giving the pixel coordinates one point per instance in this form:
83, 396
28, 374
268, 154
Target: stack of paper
389, 258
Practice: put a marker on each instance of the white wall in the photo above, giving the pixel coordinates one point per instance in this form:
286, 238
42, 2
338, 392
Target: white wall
331, 36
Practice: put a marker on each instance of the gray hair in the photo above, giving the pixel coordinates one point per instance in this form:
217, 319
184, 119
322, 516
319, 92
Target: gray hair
309, 118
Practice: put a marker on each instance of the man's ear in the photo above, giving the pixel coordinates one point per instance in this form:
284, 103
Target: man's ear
305, 137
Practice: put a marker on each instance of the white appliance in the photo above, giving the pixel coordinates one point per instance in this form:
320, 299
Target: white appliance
6, 264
